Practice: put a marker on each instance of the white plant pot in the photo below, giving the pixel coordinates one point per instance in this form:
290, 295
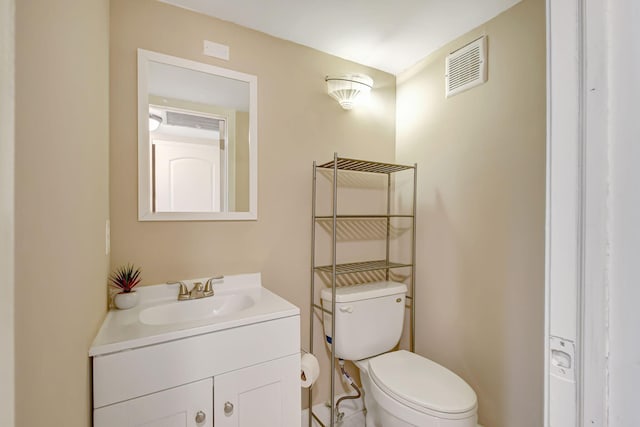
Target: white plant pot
125, 300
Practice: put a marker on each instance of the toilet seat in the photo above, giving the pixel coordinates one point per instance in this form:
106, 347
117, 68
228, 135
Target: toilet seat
422, 384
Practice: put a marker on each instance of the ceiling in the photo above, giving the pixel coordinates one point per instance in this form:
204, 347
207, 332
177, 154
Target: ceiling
383, 34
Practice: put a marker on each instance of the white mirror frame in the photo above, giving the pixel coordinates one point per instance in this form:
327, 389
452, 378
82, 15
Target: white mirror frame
145, 212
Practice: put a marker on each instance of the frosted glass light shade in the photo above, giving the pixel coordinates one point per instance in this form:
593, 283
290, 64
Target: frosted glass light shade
349, 89
154, 122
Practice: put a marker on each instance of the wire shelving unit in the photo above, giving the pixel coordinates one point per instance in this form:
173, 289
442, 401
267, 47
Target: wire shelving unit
335, 269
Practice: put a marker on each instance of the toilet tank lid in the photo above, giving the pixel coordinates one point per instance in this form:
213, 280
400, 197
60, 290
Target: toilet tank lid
365, 291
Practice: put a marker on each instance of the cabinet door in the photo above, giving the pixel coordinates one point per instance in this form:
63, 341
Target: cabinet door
264, 395
176, 407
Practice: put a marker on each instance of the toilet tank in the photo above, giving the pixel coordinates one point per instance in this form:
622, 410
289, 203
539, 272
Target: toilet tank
369, 318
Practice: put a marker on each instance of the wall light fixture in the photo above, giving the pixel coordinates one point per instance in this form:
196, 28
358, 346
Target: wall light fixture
154, 122
349, 89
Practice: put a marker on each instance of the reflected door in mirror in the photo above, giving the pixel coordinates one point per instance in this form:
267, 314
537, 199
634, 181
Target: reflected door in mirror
186, 177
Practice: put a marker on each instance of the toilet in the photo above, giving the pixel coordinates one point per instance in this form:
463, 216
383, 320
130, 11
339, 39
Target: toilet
400, 388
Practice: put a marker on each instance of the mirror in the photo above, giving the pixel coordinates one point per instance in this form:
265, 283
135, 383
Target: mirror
197, 141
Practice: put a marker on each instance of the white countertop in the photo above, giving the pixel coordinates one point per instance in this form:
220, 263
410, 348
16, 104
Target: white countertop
122, 329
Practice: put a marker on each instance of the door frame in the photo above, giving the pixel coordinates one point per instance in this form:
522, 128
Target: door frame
577, 238
7, 149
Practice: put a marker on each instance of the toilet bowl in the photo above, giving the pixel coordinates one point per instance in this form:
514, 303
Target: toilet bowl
403, 389
400, 388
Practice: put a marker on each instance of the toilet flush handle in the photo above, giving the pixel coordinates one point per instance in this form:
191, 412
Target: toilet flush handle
347, 309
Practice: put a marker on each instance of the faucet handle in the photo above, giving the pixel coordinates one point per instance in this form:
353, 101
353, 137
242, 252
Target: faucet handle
183, 293
208, 287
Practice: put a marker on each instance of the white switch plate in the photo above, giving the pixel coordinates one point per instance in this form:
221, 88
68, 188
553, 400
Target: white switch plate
107, 238
216, 50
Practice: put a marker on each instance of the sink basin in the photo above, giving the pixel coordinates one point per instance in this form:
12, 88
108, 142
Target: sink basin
200, 309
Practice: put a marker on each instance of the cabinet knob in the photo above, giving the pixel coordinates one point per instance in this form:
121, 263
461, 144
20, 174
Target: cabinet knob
228, 408
200, 417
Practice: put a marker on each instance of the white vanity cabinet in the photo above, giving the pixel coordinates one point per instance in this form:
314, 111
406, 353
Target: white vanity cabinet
262, 395
245, 376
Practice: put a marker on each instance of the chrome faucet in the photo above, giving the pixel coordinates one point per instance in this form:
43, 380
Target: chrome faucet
198, 291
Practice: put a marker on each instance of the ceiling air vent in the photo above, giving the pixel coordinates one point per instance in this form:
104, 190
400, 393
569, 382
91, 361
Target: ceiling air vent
466, 67
192, 121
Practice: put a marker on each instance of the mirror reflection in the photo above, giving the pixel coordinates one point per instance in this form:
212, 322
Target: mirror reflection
197, 150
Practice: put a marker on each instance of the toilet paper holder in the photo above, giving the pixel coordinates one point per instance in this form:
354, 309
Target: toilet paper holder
309, 369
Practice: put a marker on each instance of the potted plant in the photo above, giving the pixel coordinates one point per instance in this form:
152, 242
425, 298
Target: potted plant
125, 278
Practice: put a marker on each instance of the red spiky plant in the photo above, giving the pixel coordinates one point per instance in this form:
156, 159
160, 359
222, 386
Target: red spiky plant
125, 278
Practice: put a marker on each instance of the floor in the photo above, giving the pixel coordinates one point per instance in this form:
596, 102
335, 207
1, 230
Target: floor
353, 414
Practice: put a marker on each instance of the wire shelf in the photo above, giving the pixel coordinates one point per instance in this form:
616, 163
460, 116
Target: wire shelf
365, 166
358, 267
356, 216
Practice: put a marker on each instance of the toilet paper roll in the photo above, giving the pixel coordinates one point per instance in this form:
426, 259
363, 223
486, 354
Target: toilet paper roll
309, 370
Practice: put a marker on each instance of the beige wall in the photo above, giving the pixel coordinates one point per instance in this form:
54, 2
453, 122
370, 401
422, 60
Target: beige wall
61, 205
297, 123
481, 157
